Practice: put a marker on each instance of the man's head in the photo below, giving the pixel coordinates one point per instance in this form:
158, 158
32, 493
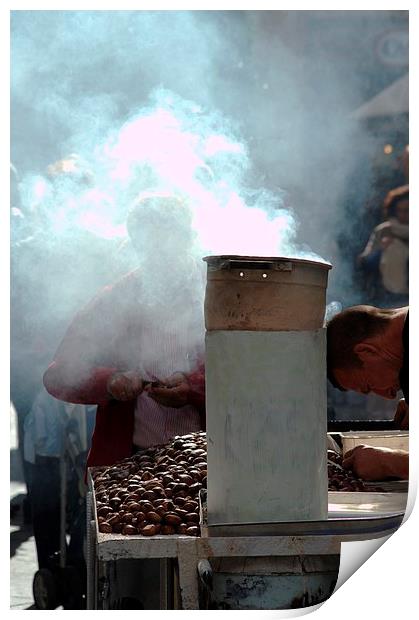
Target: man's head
362, 352
161, 232
396, 204
159, 223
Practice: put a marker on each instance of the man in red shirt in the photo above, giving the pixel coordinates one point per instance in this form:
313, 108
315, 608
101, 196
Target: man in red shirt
136, 350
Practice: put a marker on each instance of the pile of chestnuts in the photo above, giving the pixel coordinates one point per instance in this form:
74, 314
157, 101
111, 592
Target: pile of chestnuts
156, 491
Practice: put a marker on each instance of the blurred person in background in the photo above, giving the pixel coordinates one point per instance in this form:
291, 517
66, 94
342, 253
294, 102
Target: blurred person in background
27, 348
386, 254
51, 275
58, 434
43, 445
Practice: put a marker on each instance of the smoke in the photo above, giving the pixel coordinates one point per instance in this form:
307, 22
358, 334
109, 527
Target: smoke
244, 115
176, 146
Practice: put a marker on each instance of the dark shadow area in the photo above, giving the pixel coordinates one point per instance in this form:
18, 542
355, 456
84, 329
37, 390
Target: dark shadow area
19, 517
20, 536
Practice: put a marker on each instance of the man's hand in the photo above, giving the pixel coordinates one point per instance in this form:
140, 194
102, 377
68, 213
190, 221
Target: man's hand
386, 242
125, 385
371, 463
173, 391
401, 417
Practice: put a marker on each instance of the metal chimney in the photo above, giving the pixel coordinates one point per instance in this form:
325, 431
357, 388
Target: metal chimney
266, 389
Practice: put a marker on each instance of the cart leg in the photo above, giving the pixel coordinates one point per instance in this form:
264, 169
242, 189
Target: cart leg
63, 510
188, 574
91, 597
103, 583
166, 584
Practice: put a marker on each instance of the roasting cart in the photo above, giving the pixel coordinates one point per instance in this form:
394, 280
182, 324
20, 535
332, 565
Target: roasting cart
270, 533
271, 566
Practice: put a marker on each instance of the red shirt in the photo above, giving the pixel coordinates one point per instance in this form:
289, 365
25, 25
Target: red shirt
102, 340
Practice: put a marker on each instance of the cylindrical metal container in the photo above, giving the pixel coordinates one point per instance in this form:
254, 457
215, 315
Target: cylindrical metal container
268, 294
266, 390
266, 426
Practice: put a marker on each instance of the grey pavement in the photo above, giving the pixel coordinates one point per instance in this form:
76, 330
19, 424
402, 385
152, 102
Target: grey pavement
23, 561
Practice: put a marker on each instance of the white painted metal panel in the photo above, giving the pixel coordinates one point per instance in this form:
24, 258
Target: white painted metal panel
266, 426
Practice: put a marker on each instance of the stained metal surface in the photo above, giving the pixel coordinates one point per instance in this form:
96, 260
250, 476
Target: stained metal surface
355, 514
256, 262
264, 293
395, 439
367, 505
270, 582
270, 591
259, 415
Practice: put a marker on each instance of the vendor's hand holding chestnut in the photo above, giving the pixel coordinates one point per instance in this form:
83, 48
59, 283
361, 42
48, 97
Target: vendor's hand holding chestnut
125, 386
401, 417
172, 392
371, 463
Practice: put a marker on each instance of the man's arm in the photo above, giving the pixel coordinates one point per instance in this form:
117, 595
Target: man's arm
371, 463
372, 246
91, 390
82, 366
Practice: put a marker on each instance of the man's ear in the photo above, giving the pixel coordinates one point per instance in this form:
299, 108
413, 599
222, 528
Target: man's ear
365, 351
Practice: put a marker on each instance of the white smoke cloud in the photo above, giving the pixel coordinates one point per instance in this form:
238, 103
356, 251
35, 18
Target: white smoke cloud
252, 132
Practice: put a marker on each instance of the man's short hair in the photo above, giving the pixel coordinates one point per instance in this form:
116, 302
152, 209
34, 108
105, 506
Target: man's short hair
347, 329
392, 199
156, 209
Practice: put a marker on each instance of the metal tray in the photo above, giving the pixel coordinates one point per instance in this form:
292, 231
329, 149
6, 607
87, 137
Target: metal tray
349, 513
357, 513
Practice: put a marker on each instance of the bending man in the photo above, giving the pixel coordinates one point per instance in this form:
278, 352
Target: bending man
368, 351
